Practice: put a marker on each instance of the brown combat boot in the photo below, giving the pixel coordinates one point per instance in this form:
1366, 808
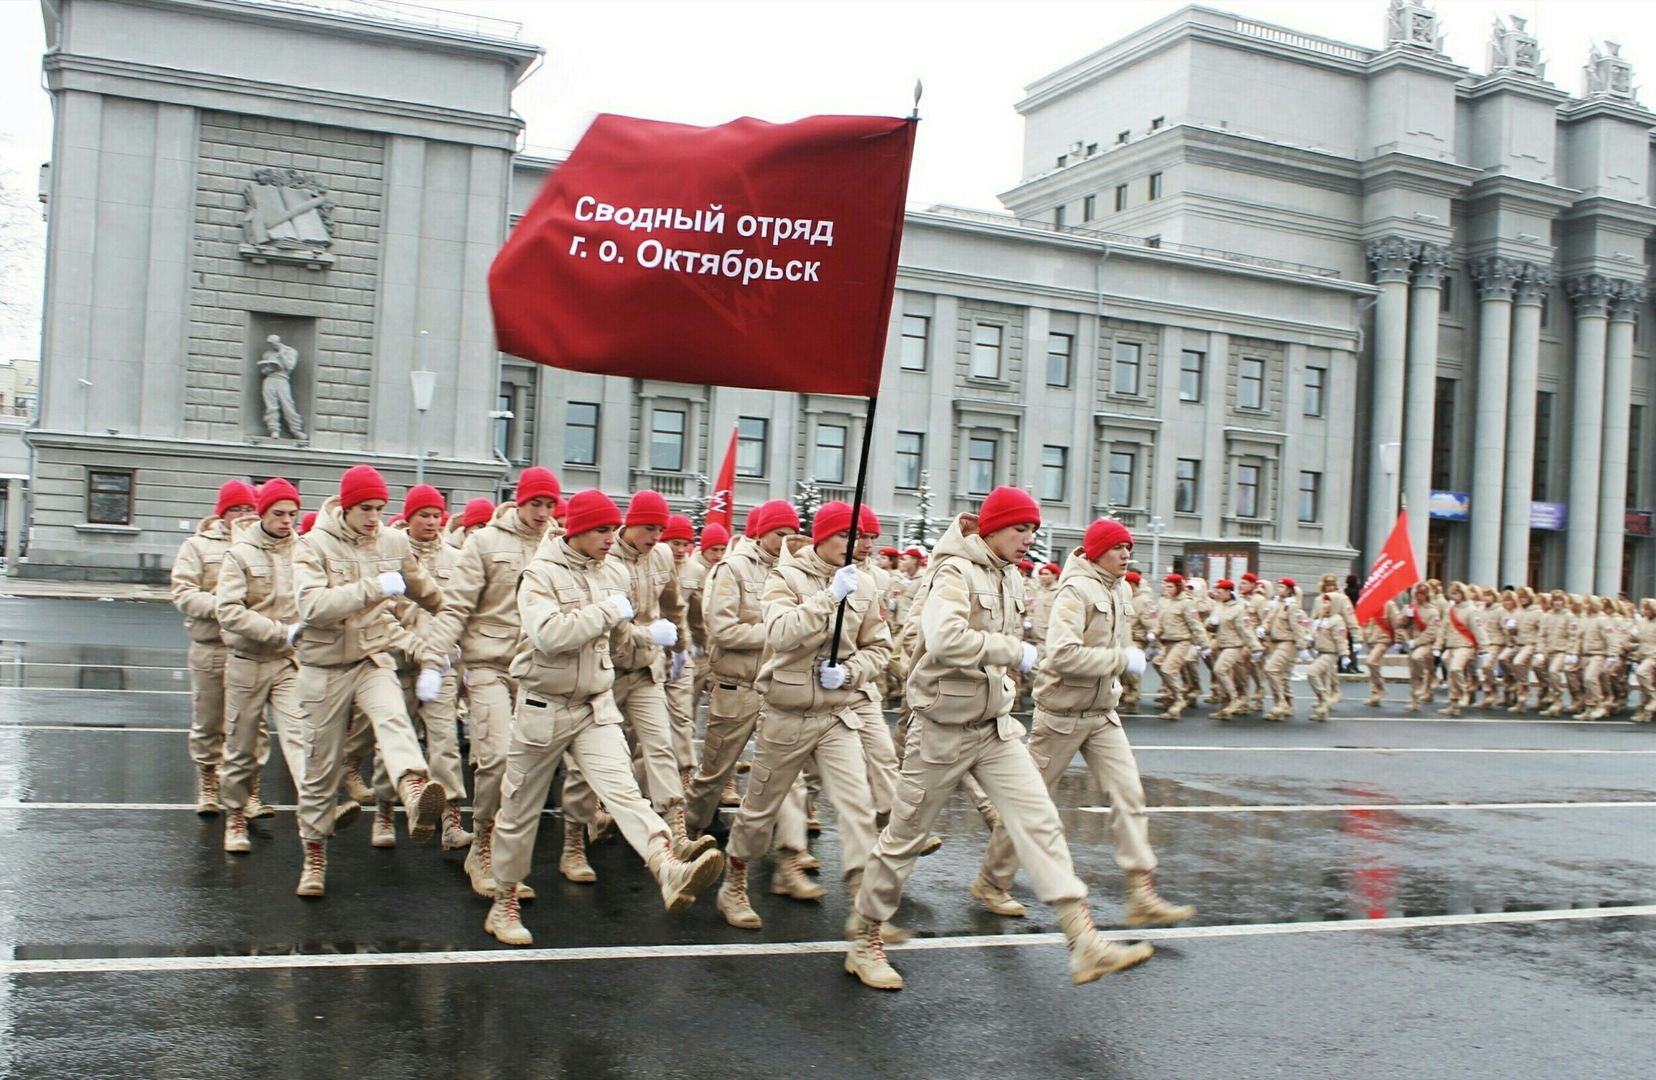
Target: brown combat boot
207, 790
732, 901
313, 874
866, 959
235, 833
383, 833
681, 882
1145, 907
505, 920
425, 802
788, 878
1091, 957
573, 864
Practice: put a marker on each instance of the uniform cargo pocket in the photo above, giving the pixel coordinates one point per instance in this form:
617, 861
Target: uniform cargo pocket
533, 724
940, 743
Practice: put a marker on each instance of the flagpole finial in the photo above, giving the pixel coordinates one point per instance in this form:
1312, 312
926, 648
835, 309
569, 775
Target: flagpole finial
919, 89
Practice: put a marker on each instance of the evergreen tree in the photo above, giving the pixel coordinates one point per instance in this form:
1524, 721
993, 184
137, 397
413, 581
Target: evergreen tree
807, 497
697, 513
926, 529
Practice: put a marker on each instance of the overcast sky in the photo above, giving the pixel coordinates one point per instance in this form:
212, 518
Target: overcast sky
707, 62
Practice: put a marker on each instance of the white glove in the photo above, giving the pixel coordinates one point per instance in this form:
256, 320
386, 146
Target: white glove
1511, 624
891, 605
1205, 653
1437, 654
429, 684
1570, 660
844, 582
1028, 625
1397, 649
1135, 659
831, 676
1030, 655
680, 659
293, 631
1539, 661
1306, 656
663, 632
391, 583
697, 652
623, 607
1213, 620
1409, 611
1149, 639
1256, 656
1259, 632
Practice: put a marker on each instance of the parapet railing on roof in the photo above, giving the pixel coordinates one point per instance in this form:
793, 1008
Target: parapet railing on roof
1277, 34
401, 13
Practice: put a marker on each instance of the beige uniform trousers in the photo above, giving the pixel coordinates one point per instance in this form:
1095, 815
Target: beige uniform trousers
250, 685
1176, 655
1323, 677
1594, 677
490, 726
1230, 673
649, 728
935, 760
1645, 672
1279, 664
906, 722
1564, 677
681, 714
880, 755
732, 714
206, 660
1053, 744
1461, 664
1421, 666
437, 722
327, 694
786, 742
1518, 671
541, 736
1376, 657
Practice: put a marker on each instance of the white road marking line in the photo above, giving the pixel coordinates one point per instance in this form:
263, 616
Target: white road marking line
126, 965
96, 727
1378, 750
91, 690
1313, 808
1366, 718
9, 662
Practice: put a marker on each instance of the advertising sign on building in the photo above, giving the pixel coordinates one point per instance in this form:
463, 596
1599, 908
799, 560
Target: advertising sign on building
1450, 506
1639, 522
1549, 516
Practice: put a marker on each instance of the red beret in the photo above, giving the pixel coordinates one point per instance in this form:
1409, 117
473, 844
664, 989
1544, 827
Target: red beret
915, 552
1133, 577
1250, 576
1224, 583
1173, 579
890, 552
1053, 567
1290, 582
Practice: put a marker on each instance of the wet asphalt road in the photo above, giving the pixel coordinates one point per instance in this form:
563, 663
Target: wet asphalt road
1383, 896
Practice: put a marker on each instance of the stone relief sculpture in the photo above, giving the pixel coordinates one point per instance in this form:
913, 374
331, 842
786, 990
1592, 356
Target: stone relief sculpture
1608, 75
286, 219
1515, 49
1415, 24
277, 366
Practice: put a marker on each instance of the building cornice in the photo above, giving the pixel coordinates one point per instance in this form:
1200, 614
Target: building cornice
1404, 58
1433, 176
1599, 208
1512, 84
1595, 108
1525, 194
276, 454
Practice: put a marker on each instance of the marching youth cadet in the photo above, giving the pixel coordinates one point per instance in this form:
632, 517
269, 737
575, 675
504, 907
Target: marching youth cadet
715, 538
879, 752
1644, 656
1181, 634
1330, 640
480, 613
680, 538
638, 652
195, 574
1458, 645
570, 602
1381, 637
1596, 651
1340, 607
1283, 630
1420, 632
259, 618
1077, 688
961, 693
1233, 639
1488, 688
813, 707
1560, 638
1142, 624
346, 574
735, 620
1525, 633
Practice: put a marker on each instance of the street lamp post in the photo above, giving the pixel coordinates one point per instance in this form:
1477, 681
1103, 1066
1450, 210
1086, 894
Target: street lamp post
425, 385
1155, 545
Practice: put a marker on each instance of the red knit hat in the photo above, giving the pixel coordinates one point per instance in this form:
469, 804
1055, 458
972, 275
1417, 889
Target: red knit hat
423, 497
915, 552
360, 484
868, 522
395, 520
831, 519
1290, 582
890, 552
1133, 578
306, 522
589, 510
1250, 576
1007, 506
777, 514
560, 509
478, 512
1225, 583
275, 490
1053, 568
1174, 579
234, 493
1025, 565
537, 482
714, 535
1104, 534
679, 528
647, 508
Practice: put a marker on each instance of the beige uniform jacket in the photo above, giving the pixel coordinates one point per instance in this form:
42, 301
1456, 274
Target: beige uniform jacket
1420, 624
255, 599
1644, 647
1177, 620
902, 593
652, 586
195, 575
971, 632
1560, 633
567, 621
1381, 630
1529, 625
1285, 621
480, 609
1143, 619
1235, 629
1340, 604
1087, 639
1594, 642
692, 580
1451, 636
732, 609
347, 615
1489, 627
1329, 632
799, 623
1039, 602
439, 557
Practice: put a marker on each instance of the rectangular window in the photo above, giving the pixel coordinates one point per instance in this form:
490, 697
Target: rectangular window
752, 433
1187, 485
830, 454
667, 440
1123, 467
1543, 445
109, 496
1446, 295
1121, 198
911, 446
1546, 310
1190, 375
1310, 496
1443, 439
503, 425
1089, 208
1247, 491
986, 351
1060, 350
1316, 382
1635, 445
916, 334
581, 433
1124, 378
1154, 188
980, 466
1250, 384
1054, 472
1058, 217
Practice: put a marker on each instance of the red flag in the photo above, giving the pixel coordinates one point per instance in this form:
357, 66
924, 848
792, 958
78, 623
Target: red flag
749, 254
1393, 571
721, 507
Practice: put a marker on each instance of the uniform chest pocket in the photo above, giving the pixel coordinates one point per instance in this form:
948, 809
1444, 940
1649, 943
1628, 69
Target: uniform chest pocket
570, 598
987, 612
443, 574
342, 571
504, 562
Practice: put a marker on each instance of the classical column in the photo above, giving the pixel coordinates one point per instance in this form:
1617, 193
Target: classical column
1392, 257
1431, 261
1590, 294
1626, 298
1495, 277
1528, 291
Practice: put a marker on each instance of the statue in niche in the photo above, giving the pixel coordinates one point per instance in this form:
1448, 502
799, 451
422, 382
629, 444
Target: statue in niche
1515, 49
1413, 23
276, 367
1608, 74
287, 218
